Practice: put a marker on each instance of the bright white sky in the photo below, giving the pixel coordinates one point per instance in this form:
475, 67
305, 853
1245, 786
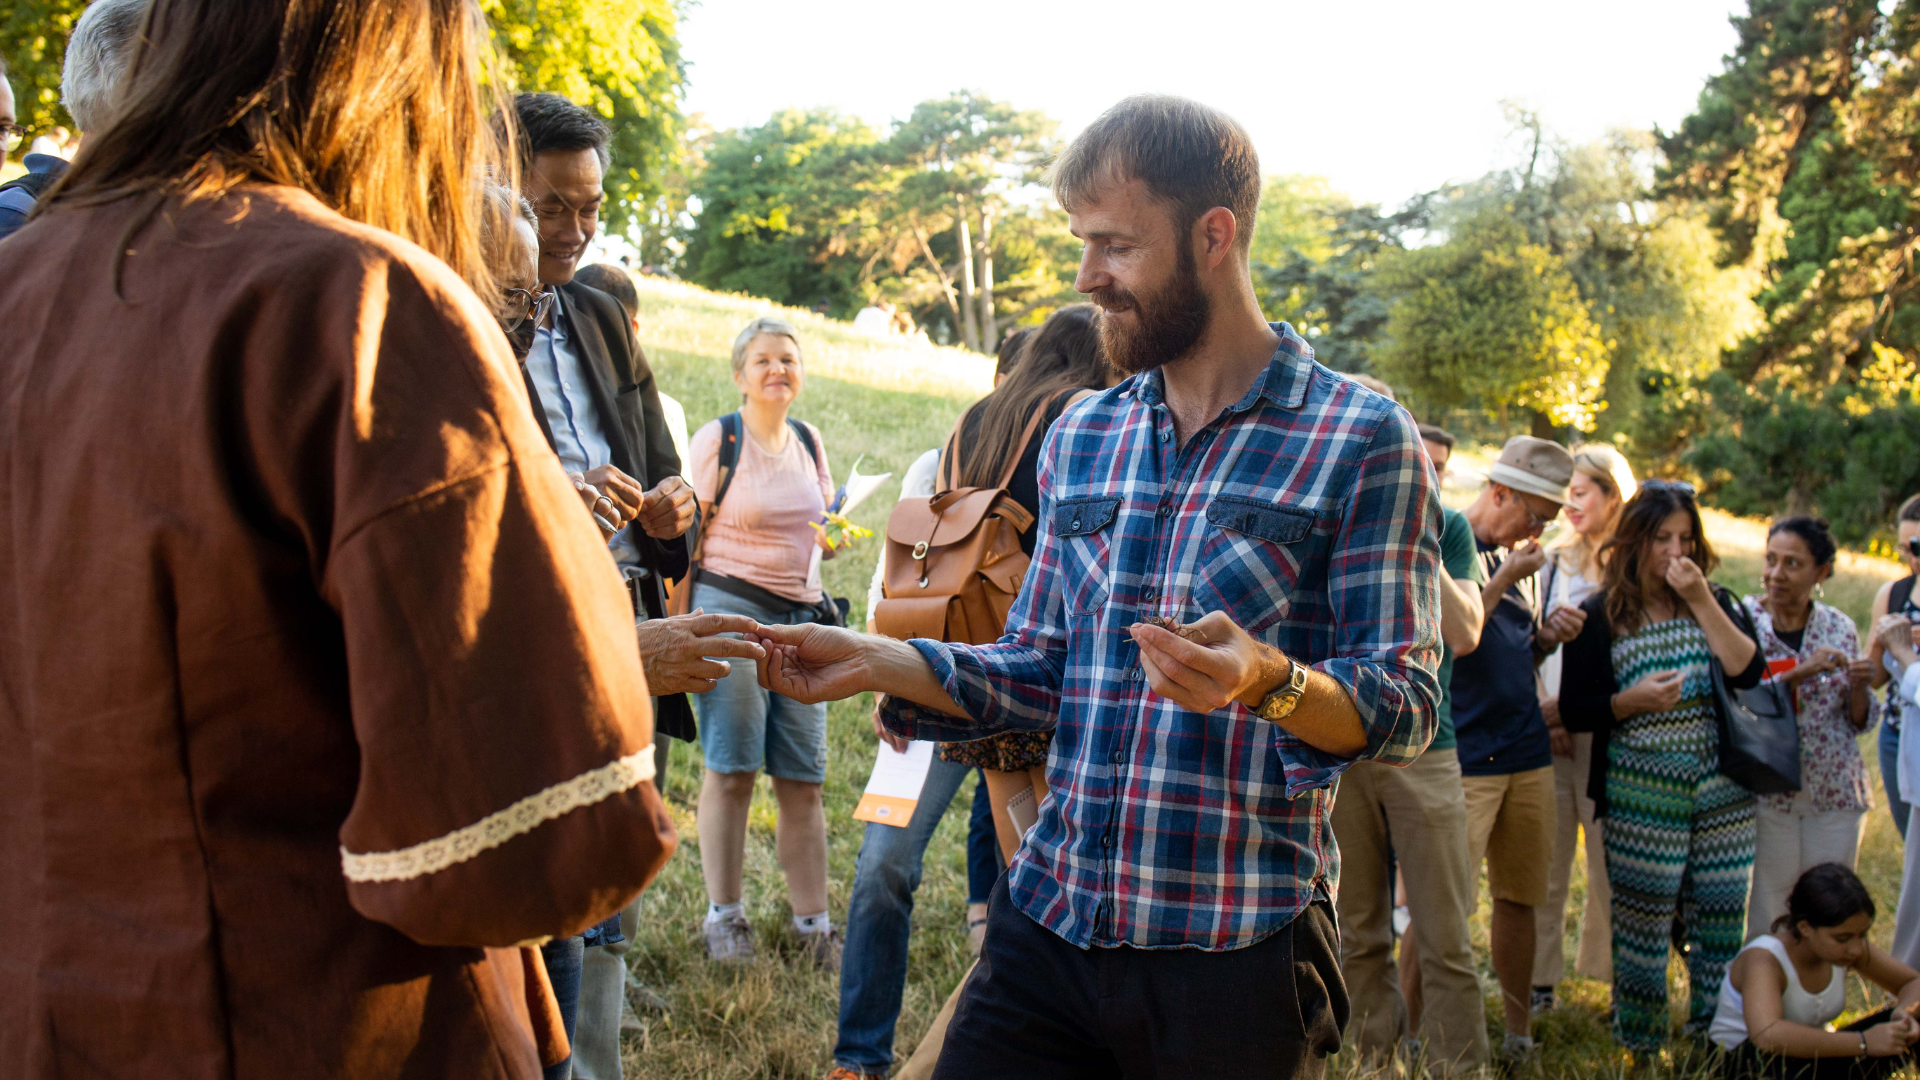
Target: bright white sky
1386, 98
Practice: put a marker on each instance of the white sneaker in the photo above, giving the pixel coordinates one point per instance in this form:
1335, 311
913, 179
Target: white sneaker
730, 940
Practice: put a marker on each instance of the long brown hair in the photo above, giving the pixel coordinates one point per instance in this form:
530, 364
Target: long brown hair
375, 107
1628, 550
1063, 355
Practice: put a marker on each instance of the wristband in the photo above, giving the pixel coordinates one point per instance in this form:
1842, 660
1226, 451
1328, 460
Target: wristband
1863, 1043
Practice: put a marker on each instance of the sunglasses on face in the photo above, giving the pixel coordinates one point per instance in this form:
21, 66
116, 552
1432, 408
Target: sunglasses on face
11, 136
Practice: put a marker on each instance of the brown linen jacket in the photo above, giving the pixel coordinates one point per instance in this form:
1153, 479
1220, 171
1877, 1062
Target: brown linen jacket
318, 692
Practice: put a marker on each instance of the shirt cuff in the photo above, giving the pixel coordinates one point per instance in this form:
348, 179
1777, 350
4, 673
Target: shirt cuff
915, 721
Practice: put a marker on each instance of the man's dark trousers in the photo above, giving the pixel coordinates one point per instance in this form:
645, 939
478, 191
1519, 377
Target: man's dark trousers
1038, 1007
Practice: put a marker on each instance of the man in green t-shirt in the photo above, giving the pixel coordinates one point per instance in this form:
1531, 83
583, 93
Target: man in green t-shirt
1419, 814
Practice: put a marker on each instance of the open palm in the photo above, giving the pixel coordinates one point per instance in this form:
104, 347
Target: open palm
812, 663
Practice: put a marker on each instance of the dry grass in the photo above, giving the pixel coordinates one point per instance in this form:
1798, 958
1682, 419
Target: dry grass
777, 1017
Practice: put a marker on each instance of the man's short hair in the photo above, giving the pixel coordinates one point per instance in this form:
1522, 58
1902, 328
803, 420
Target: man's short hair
613, 281
1438, 436
1190, 156
98, 54
551, 122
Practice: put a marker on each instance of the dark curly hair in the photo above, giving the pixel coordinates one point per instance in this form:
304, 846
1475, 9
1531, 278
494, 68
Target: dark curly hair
1826, 895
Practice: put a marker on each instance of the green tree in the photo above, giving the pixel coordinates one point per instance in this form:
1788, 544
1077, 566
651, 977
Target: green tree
1333, 299
962, 158
33, 39
1298, 215
620, 58
1490, 320
791, 210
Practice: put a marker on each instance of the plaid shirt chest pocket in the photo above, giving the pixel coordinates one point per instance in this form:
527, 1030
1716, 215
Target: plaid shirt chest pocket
1253, 557
1084, 529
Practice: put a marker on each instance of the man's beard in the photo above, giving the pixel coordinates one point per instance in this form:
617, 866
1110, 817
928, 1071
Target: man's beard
1169, 322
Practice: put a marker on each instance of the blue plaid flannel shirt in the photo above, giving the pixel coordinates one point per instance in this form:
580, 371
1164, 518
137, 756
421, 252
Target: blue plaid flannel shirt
1308, 513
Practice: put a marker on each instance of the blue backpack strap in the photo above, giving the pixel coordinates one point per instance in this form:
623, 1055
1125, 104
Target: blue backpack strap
729, 455
806, 439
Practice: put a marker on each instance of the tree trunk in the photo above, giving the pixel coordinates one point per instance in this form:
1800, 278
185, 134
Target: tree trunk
989, 327
1542, 426
969, 331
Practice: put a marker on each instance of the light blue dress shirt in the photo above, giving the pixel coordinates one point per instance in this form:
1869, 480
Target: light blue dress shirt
560, 378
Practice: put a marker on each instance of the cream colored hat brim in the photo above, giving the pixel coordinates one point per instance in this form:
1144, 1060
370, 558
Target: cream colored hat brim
1521, 480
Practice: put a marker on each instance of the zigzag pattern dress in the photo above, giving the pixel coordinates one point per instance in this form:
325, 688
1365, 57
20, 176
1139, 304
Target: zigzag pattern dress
1679, 837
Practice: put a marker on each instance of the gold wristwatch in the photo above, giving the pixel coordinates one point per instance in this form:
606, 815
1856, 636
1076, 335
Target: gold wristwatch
1280, 704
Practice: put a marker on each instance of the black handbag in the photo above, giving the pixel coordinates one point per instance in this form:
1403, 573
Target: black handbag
1759, 734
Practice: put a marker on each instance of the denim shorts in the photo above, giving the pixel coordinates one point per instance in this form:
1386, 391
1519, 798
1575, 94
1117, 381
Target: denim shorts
745, 728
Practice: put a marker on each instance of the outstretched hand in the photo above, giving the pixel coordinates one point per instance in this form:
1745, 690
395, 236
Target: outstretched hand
1213, 664
811, 663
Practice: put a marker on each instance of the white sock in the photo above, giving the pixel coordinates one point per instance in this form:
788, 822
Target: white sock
812, 924
723, 912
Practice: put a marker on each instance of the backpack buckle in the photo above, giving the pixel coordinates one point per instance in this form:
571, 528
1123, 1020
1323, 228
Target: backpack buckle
920, 550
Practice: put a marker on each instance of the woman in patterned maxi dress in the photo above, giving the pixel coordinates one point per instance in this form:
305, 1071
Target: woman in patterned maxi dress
1679, 834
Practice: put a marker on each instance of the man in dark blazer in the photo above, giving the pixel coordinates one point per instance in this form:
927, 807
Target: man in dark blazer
594, 396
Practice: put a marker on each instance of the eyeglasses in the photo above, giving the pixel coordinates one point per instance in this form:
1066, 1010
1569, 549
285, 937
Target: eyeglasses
11, 136
1534, 520
1680, 487
519, 305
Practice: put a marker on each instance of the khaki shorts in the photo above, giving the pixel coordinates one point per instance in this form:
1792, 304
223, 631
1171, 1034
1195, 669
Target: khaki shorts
1510, 823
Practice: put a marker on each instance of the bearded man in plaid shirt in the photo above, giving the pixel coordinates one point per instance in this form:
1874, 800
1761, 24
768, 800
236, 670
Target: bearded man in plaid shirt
1170, 914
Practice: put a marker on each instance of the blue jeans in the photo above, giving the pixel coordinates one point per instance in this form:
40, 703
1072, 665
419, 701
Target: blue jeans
1890, 776
746, 728
563, 957
873, 969
983, 847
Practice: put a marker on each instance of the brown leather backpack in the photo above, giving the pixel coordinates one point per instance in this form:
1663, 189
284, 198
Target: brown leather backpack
954, 562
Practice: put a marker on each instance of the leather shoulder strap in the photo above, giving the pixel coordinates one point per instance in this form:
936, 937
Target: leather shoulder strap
1902, 592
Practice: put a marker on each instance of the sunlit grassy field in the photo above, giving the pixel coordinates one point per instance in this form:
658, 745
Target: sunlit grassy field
776, 1017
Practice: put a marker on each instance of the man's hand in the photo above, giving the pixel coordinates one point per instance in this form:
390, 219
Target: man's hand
677, 652
811, 663
667, 511
597, 504
1221, 665
1524, 561
1561, 625
898, 742
623, 494
1684, 577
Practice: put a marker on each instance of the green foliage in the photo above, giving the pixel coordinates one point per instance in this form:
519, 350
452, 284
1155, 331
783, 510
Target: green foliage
620, 58
816, 208
1847, 453
790, 210
1491, 320
33, 39
1325, 285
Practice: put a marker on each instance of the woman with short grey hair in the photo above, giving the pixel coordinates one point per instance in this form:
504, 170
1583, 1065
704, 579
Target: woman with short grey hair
763, 483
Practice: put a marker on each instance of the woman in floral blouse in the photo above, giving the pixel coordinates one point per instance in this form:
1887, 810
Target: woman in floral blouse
1811, 647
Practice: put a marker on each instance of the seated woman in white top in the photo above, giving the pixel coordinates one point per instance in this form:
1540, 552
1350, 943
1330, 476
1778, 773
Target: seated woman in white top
1785, 988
